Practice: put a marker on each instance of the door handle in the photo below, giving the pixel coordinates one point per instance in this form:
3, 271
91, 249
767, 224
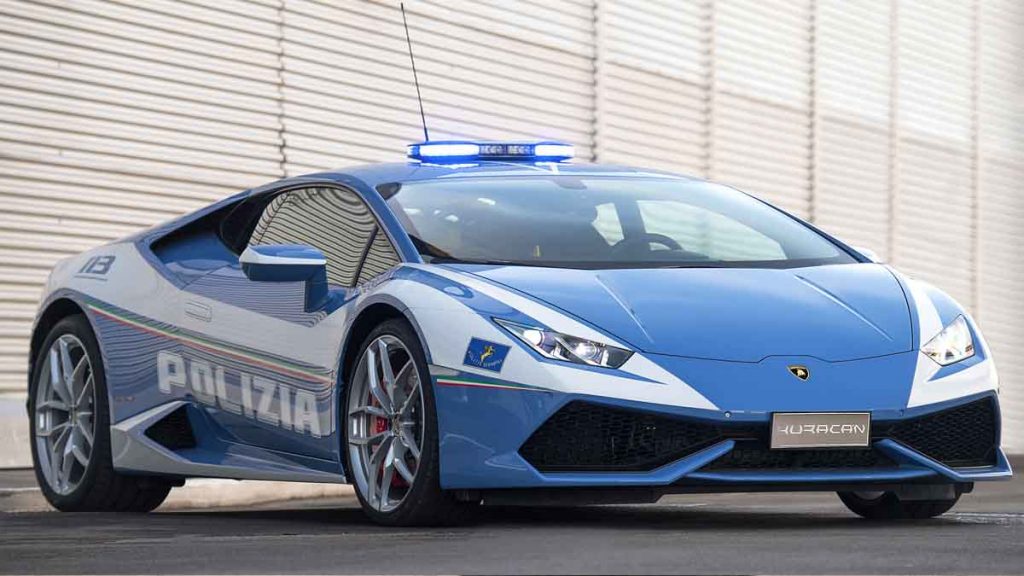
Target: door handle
199, 311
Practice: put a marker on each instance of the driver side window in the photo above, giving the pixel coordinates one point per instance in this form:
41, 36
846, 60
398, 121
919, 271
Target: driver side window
334, 221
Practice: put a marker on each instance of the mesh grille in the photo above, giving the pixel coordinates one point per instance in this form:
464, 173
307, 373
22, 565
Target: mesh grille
958, 437
584, 436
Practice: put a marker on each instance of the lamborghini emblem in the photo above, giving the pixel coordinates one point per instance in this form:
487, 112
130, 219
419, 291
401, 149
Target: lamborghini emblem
800, 372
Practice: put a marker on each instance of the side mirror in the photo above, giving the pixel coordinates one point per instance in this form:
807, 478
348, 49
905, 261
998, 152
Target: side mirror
289, 263
869, 254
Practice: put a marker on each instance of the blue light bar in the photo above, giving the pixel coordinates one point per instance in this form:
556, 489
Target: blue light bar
460, 151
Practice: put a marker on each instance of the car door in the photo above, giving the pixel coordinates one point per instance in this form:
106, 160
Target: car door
270, 367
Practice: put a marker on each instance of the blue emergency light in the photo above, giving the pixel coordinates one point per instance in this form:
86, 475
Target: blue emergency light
462, 151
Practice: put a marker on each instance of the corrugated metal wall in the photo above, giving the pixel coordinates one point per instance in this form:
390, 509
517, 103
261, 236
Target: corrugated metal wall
854, 89
502, 69
115, 116
998, 262
894, 124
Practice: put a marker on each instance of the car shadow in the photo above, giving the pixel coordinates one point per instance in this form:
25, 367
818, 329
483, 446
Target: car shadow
637, 517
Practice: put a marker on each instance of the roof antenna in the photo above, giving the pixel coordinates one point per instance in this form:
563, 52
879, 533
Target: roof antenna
415, 78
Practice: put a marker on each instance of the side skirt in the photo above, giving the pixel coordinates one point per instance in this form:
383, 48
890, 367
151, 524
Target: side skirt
135, 452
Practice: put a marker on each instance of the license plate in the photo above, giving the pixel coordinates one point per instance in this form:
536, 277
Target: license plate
820, 430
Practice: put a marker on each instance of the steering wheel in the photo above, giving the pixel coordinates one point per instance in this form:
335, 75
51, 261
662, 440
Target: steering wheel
645, 239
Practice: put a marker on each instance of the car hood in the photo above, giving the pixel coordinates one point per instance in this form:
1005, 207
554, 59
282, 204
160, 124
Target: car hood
833, 313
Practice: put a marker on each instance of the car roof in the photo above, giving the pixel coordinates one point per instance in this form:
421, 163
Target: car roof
372, 175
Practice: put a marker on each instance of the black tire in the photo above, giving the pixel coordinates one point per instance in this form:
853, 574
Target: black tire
101, 488
887, 506
425, 503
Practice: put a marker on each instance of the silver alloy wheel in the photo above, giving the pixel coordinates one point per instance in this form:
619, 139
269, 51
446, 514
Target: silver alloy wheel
65, 423
385, 423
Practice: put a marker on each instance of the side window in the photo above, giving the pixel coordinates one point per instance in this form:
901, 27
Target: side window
334, 221
380, 256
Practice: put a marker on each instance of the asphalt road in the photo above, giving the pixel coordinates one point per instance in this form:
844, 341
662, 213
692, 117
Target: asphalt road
766, 533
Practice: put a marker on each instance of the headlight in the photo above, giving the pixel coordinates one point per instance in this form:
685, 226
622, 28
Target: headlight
951, 345
568, 348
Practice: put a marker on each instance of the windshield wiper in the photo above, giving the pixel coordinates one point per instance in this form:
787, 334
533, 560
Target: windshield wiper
597, 265
454, 260
695, 265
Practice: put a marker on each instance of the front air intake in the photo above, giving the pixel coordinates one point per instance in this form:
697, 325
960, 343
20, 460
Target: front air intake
959, 437
586, 436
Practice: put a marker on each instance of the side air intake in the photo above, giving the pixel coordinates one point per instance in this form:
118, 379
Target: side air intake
173, 431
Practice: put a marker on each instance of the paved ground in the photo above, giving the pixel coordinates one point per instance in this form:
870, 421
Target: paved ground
784, 533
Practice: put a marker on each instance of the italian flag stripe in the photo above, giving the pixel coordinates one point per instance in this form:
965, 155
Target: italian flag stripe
214, 347
470, 383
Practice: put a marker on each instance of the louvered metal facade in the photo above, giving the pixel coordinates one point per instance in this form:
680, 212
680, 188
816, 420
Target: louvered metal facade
895, 124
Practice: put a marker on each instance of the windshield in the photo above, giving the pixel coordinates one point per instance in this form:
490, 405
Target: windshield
603, 222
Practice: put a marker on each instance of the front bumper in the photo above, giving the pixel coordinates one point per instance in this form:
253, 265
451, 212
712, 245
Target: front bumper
497, 439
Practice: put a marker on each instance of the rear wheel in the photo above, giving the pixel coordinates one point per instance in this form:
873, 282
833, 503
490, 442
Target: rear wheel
887, 506
70, 429
391, 438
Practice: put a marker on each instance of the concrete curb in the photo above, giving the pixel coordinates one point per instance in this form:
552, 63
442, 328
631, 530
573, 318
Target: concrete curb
14, 447
198, 493
214, 493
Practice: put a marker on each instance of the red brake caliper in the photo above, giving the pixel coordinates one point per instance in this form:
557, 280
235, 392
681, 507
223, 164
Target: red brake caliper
381, 425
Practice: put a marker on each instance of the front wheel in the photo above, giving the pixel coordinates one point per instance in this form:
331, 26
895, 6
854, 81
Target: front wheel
391, 437
70, 429
887, 506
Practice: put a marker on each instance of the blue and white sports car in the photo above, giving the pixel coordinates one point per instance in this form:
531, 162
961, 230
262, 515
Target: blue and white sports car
491, 323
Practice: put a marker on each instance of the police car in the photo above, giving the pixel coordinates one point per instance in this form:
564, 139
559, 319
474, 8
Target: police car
490, 322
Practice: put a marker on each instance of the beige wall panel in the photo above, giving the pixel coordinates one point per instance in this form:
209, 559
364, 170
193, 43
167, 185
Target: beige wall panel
761, 116
652, 82
1000, 265
496, 71
854, 77
117, 115
852, 197
1001, 269
934, 219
